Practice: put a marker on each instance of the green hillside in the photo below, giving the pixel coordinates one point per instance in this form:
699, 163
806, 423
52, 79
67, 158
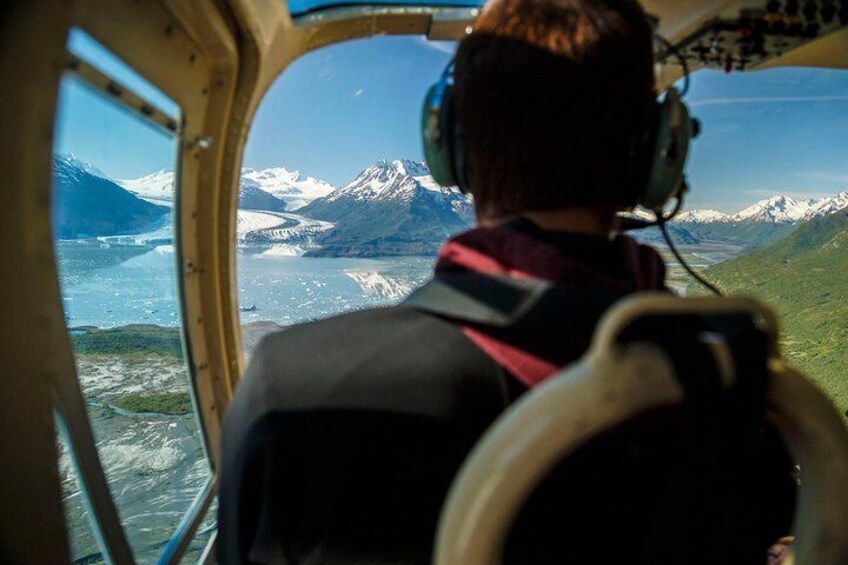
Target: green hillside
132, 342
805, 277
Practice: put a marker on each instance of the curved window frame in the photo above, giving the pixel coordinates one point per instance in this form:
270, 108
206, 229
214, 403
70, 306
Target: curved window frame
71, 415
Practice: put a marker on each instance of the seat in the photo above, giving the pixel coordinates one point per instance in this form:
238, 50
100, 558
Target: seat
717, 361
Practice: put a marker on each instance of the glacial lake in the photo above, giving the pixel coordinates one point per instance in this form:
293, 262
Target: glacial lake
119, 285
114, 285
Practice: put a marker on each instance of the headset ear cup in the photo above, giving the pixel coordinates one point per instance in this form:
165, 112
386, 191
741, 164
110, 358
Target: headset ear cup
455, 140
673, 128
437, 129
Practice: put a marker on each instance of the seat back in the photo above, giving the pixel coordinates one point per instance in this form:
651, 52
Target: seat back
719, 360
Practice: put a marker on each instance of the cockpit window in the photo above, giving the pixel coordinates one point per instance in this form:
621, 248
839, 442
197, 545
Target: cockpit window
767, 212
333, 162
337, 209
113, 195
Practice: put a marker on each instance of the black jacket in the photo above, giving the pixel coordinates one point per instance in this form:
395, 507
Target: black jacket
345, 434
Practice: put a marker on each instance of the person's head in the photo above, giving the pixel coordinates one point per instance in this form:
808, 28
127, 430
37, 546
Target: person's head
550, 94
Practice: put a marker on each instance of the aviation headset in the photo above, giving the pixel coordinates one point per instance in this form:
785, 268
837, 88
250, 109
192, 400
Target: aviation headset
658, 154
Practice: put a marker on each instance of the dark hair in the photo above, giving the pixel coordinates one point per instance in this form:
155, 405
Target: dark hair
550, 94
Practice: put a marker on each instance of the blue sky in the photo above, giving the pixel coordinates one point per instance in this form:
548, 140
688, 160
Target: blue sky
102, 132
768, 132
339, 109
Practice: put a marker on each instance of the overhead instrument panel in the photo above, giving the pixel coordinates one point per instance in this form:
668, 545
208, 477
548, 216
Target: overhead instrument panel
757, 35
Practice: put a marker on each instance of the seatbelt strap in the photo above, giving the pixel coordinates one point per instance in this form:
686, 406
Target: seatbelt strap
504, 302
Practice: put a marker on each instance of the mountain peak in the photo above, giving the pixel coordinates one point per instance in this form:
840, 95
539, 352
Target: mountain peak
71, 160
293, 187
89, 204
778, 209
829, 205
699, 216
272, 173
393, 208
410, 167
383, 179
157, 187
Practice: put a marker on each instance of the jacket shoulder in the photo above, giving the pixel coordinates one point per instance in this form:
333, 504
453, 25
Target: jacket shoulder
394, 359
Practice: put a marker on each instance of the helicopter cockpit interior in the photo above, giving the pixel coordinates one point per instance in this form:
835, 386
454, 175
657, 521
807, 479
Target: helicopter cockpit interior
185, 178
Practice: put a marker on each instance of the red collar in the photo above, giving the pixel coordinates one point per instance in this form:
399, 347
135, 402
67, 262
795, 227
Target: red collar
520, 249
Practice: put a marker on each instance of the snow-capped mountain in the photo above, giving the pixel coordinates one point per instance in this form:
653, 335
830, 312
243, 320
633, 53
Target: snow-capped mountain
158, 188
135, 211
72, 161
761, 223
829, 205
777, 209
701, 216
87, 204
292, 187
400, 181
391, 208
653, 235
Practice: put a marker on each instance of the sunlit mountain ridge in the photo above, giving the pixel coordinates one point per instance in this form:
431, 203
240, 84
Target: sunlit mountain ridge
776, 209
761, 223
390, 208
87, 204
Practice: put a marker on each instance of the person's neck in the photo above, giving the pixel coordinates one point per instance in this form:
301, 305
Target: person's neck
589, 221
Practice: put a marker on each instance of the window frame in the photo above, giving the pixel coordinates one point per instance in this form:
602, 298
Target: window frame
70, 408
200, 81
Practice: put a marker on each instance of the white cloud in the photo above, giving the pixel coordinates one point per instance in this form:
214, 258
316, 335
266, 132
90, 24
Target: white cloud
765, 100
826, 177
327, 74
